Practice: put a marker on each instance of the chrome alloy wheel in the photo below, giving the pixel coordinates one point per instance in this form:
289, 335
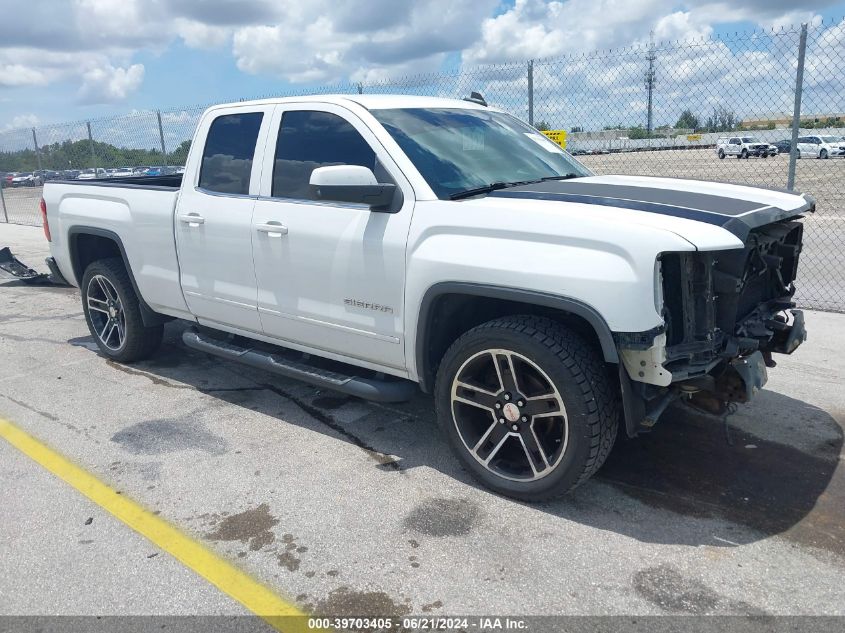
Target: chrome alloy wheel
106, 312
509, 415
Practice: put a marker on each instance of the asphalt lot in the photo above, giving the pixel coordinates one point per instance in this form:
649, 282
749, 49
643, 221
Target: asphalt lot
350, 507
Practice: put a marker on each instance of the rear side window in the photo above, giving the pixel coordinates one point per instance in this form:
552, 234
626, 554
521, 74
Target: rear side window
229, 150
309, 139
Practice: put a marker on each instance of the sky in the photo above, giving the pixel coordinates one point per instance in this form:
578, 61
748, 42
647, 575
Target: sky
80, 59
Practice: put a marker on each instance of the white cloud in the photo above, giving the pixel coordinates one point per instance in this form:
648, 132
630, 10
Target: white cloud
107, 84
202, 36
314, 42
20, 75
21, 121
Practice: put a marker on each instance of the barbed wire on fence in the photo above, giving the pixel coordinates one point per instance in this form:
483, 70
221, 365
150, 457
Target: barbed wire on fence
654, 108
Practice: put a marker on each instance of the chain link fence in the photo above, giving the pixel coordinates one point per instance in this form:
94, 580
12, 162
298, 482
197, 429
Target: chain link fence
658, 109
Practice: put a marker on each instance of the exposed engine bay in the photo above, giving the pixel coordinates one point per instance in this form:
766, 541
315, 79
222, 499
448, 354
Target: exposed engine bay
726, 313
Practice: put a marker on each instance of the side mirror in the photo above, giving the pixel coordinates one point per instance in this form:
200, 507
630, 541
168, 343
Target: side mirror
351, 183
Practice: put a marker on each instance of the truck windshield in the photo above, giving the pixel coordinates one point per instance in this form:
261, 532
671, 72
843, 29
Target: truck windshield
460, 150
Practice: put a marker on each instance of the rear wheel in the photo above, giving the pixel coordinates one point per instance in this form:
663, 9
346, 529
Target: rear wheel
113, 313
527, 405
721, 153
823, 154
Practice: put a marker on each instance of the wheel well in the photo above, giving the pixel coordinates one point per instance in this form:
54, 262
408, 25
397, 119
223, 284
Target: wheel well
87, 248
449, 315
87, 245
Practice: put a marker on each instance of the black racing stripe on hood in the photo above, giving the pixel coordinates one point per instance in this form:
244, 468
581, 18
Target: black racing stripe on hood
736, 216
721, 205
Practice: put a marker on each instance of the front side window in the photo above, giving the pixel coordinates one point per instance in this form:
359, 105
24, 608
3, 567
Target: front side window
310, 139
229, 151
459, 149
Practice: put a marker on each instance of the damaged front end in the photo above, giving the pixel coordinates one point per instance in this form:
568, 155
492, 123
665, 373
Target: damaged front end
725, 314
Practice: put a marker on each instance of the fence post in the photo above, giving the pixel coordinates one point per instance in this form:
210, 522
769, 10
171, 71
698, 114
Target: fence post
91, 145
796, 108
37, 151
161, 136
3, 202
531, 92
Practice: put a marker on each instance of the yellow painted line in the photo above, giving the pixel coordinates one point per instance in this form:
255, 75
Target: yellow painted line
277, 612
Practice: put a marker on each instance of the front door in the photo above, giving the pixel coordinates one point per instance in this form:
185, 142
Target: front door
213, 220
330, 275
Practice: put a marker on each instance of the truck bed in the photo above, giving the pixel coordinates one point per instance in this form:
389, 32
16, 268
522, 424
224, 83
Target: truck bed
169, 183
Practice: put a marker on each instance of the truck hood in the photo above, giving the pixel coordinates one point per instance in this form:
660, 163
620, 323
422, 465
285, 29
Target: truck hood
735, 208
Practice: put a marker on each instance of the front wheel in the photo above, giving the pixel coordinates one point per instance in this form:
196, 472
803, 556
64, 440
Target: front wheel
823, 154
527, 405
113, 313
721, 154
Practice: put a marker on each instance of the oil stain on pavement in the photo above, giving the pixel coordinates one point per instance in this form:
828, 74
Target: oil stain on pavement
665, 587
287, 558
346, 602
251, 526
154, 437
443, 517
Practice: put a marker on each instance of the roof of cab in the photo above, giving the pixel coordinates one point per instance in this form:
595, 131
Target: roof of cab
371, 102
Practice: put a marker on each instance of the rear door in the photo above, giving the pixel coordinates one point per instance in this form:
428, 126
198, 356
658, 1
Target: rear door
806, 147
214, 214
734, 147
332, 277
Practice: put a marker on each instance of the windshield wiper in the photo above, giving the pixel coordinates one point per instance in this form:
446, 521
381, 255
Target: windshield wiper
564, 177
493, 186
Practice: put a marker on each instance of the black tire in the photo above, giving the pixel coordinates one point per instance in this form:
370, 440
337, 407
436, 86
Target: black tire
721, 154
823, 154
580, 378
139, 342
744, 154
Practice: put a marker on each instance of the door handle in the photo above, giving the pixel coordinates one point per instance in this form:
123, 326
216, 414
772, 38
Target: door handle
192, 219
272, 229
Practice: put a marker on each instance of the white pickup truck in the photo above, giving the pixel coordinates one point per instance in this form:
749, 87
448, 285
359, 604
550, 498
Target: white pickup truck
370, 244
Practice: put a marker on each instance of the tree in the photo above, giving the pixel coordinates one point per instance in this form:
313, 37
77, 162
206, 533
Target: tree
722, 120
688, 121
542, 125
638, 132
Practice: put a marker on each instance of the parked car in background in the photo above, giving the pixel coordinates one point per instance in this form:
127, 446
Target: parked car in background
123, 172
91, 174
784, 146
823, 146
7, 178
154, 171
741, 147
70, 174
46, 174
26, 179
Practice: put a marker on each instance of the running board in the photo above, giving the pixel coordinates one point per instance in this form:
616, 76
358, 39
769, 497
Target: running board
369, 389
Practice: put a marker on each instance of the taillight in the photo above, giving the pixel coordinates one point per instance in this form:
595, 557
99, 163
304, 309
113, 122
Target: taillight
44, 220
